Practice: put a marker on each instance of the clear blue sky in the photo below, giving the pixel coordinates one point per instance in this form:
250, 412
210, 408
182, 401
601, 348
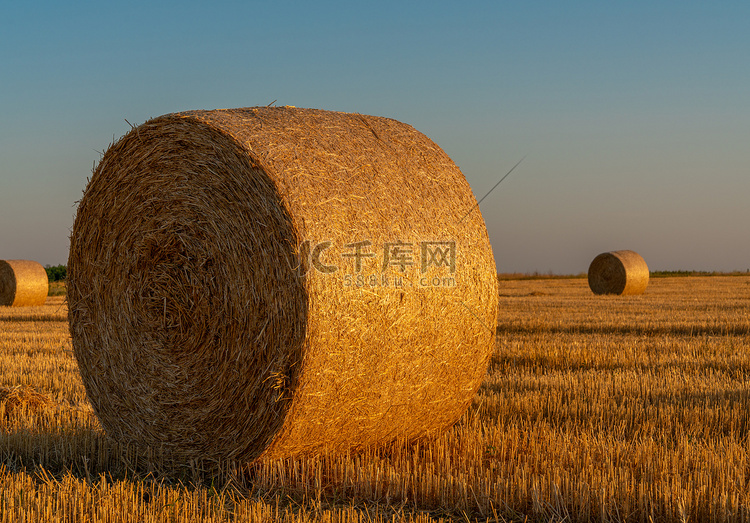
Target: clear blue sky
634, 117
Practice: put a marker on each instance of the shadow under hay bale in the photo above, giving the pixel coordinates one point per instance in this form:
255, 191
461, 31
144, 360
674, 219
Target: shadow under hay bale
618, 272
265, 282
23, 283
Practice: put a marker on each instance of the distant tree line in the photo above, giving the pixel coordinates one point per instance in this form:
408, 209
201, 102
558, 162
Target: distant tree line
56, 272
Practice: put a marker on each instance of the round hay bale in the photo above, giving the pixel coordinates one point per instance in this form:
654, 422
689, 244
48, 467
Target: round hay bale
266, 282
23, 283
618, 272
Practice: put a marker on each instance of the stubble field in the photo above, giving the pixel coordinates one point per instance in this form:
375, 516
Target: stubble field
594, 408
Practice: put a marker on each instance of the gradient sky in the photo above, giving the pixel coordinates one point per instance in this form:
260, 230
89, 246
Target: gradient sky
633, 117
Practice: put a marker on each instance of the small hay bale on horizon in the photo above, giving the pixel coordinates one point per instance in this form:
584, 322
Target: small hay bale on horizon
618, 272
23, 283
267, 282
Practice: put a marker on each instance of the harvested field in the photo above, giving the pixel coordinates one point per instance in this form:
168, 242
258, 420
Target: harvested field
595, 408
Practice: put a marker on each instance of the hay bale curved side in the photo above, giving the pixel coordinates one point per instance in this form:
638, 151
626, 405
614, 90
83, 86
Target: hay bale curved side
618, 272
23, 283
264, 282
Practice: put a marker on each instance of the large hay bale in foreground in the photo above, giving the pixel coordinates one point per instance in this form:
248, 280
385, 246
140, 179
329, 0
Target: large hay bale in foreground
618, 272
265, 282
23, 283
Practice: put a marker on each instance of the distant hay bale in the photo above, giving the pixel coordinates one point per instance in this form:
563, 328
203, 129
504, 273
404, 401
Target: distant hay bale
23, 283
267, 282
618, 272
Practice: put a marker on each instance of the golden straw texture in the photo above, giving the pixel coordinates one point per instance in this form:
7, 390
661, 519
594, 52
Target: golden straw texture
13, 399
618, 272
23, 283
265, 282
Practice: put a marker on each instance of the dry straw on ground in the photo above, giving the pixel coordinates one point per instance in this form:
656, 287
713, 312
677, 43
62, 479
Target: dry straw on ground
22, 283
18, 398
618, 272
264, 282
